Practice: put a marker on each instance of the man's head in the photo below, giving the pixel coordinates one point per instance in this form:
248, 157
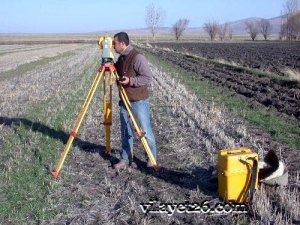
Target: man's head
121, 41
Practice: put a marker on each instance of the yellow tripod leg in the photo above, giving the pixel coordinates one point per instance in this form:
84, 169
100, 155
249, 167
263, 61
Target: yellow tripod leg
107, 123
88, 95
116, 76
108, 118
79, 120
137, 128
107, 112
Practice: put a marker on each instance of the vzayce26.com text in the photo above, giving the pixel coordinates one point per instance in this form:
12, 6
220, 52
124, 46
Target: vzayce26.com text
204, 207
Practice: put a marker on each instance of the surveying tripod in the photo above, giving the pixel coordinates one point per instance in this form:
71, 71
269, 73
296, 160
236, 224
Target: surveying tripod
107, 74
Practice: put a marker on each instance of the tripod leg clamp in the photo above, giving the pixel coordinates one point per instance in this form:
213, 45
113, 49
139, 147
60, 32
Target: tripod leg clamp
73, 133
141, 134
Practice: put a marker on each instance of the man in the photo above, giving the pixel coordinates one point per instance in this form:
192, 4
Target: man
135, 72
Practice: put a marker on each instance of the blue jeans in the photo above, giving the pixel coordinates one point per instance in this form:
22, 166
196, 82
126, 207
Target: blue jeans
141, 112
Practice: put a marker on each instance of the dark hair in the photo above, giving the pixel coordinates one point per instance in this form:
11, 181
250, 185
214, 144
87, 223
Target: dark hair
122, 37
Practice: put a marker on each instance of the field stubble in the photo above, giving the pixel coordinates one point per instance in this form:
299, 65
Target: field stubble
189, 133
26, 139
13, 58
20, 92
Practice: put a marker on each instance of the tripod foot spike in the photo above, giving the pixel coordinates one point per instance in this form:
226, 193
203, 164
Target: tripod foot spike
54, 174
157, 168
108, 151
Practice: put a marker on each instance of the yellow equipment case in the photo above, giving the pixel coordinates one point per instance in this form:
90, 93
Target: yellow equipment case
237, 175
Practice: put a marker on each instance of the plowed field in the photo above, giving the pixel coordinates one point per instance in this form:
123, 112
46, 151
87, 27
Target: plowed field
281, 95
270, 56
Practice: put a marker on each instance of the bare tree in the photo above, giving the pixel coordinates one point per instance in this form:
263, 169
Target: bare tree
290, 20
230, 32
154, 18
211, 28
290, 7
222, 31
282, 32
252, 29
265, 28
293, 25
179, 27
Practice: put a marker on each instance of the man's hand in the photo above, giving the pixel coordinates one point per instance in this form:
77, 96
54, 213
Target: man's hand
125, 81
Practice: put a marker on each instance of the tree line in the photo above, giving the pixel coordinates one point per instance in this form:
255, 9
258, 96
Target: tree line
289, 28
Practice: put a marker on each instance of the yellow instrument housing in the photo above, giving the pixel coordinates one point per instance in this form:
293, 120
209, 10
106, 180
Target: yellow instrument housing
235, 169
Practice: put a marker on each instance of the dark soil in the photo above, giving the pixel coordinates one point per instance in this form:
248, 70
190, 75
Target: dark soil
269, 56
282, 96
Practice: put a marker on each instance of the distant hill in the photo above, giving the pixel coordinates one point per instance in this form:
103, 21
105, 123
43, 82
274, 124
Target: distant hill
238, 27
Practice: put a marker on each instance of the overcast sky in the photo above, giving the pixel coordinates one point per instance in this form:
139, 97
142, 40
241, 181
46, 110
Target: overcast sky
71, 16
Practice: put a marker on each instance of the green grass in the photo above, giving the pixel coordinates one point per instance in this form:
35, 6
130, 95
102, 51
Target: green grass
34, 147
281, 129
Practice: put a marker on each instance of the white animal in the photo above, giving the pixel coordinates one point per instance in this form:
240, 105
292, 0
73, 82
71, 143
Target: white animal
271, 168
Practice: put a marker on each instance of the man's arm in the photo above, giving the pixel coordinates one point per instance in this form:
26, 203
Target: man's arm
143, 72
